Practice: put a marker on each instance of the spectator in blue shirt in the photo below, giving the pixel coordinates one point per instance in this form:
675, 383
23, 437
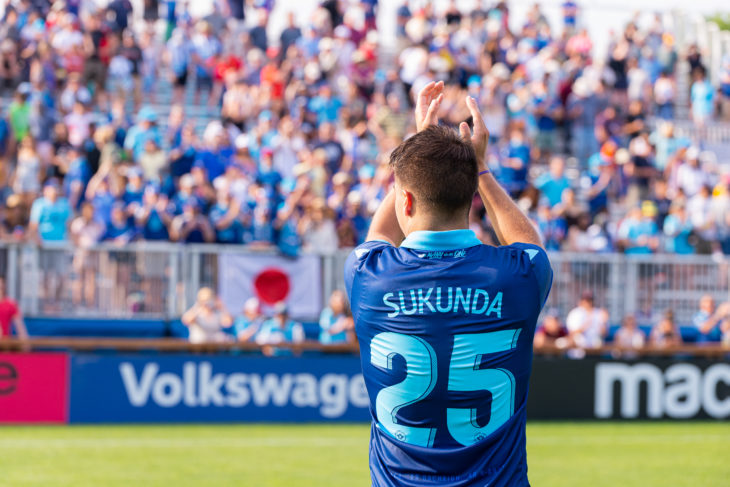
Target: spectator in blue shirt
707, 319
247, 326
514, 167
225, 216
120, 229
278, 330
144, 130
50, 215
678, 230
335, 321
638, 232
77, 177
553, 183
325, 106
153, 218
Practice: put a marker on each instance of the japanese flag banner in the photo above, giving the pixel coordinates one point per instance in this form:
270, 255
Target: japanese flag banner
271, 279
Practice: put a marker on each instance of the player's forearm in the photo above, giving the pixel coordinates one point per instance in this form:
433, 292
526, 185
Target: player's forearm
385, 223
509, 222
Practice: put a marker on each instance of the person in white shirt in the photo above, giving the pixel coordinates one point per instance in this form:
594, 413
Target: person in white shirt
587, 324
207, 319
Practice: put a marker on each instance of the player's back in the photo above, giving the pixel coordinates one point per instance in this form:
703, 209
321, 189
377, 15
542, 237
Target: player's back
445, 327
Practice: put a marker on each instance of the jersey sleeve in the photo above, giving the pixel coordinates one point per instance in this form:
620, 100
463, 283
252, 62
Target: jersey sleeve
540, 267
356, 260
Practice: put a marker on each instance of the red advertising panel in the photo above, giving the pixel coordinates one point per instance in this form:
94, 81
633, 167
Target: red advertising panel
33, 387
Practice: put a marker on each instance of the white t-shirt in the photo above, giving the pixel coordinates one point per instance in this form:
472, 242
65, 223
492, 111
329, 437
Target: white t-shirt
592, 333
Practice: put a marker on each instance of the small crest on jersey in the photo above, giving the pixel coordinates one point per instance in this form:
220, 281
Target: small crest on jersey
360, 253
440, 254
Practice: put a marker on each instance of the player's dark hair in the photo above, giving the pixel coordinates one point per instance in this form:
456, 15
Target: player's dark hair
439, 168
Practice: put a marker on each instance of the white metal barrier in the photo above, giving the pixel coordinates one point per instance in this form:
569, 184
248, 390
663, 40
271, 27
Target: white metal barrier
160, 280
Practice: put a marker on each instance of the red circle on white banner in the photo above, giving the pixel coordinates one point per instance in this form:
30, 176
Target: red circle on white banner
272, 285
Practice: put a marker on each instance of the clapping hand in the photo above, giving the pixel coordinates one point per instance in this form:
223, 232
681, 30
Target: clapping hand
480, 138
428, 103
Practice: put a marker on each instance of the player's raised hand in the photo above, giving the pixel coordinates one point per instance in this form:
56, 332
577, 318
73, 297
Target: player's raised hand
428, 103
480, 138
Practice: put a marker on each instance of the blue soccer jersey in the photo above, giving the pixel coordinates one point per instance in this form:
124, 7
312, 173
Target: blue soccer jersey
445, 326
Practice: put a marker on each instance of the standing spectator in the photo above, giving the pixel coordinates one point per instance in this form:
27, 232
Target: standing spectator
707, 319
207, 318
278, 330
10, 316
85, 232
50, 215
247, 326
335, 321
628, 339
206, 49
586, 323
702, 98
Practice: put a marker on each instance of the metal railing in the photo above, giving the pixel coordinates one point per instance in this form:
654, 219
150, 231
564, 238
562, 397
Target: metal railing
160, 280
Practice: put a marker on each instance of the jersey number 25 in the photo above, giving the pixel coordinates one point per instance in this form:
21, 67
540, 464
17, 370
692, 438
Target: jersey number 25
465, 375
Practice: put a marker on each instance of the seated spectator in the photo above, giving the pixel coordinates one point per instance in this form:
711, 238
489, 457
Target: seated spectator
551, 333
10, 316
247, 326
707, 319
207, 318
277, 330
665, 333
335, 321
628, 339
586, 323
638, 233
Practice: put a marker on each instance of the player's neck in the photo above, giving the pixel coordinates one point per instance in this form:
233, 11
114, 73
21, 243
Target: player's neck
435, 225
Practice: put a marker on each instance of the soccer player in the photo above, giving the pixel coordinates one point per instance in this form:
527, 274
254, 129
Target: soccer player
445, 323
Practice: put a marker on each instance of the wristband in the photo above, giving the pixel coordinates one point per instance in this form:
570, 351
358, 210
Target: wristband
486, 171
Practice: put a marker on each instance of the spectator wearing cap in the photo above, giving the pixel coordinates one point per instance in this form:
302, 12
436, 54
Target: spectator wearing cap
145, 129
708, 319
50, 215
600, 179
628, 339
691, 177
638, 232
586, 323
207, 318
335, 321
279, 329
247, 325
551, 332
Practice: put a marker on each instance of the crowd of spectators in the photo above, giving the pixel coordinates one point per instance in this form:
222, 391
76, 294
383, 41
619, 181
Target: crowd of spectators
295, 152
208, 321
588, 326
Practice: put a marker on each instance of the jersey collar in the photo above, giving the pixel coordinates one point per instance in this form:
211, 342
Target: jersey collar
448, 240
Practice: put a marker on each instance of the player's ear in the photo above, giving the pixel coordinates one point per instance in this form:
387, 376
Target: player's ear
407, 202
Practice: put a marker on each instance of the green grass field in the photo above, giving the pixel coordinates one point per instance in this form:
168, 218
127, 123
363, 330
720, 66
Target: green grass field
559, 454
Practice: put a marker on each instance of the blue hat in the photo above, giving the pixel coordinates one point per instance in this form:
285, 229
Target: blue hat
366, 172
265, 115
147, 114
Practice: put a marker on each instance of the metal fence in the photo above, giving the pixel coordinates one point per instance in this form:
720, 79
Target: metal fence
160, 280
